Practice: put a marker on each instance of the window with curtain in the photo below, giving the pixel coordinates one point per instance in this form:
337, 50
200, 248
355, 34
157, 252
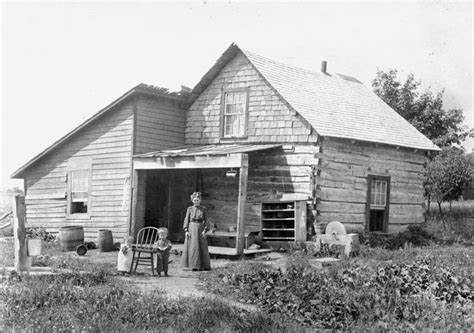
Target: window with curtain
79, 195
235, 110
378, 194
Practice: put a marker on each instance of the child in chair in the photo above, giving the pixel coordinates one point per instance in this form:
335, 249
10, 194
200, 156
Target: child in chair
124, 257
163, 246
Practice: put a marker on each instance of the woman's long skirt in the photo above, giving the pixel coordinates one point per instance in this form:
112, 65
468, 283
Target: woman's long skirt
195, 251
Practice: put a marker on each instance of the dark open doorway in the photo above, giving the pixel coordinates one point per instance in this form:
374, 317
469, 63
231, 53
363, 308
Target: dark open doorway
167, 198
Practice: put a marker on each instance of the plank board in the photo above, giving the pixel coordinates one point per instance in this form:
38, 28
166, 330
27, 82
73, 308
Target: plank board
225, 251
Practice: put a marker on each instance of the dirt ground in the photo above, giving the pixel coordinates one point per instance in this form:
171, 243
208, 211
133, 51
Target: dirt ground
179, 283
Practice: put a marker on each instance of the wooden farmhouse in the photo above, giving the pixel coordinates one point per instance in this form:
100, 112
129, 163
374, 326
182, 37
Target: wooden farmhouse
275, 150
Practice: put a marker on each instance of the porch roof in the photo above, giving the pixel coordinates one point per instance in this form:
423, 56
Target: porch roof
194, 150
194, 156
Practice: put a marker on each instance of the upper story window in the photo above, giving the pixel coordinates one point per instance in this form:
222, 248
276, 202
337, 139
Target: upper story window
234, 117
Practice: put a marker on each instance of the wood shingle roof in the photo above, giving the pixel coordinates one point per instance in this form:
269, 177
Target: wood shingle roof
335, 105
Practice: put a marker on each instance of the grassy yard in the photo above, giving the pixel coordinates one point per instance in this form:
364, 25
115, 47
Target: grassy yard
93, 298
413, 288
410, 289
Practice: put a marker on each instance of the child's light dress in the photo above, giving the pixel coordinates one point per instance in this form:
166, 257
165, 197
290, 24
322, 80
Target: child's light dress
124, 258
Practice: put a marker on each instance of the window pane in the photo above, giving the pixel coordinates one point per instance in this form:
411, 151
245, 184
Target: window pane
243, 98
234, 113
79, 191
80, 180
229, 125
379, 193
242, 124
230, 99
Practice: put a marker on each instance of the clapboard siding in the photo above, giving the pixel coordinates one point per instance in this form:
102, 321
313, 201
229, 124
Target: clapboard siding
107, 143
342, 182
269, 119
159, 125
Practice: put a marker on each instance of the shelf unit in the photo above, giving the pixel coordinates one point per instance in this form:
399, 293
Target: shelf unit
283, 221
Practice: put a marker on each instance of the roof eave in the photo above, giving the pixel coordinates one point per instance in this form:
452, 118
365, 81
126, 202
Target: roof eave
140, 89
223, 60
432, 148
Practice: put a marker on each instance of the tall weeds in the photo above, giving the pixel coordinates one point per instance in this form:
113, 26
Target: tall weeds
399, 294
96, 302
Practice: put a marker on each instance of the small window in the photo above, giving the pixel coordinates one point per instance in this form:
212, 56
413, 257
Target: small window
78, 198
235, 112
79, 191
378, 203
378, 194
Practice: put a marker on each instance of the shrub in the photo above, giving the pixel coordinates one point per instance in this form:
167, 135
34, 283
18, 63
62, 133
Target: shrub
414, 235
97, 302
349, 294
7, 231
40, 233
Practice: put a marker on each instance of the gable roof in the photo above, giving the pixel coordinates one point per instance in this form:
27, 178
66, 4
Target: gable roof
142, 89
335, 105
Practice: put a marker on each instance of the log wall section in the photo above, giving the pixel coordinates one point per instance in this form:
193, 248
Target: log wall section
159, 124
273, 174
342, 183
269, 118
107, 144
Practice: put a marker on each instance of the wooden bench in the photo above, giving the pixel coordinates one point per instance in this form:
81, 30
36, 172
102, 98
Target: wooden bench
229, 238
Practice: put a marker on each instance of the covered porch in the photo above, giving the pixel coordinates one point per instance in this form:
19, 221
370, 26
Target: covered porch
163, 181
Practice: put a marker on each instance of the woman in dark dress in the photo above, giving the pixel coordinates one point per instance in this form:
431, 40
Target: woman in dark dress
195, 252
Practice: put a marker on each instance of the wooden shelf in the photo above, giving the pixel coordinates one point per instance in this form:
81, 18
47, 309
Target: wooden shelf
279, 238
278, 229
283, 221
279, 220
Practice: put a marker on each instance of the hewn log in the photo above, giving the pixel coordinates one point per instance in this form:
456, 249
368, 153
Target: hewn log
243, 176
341, 207
338, 195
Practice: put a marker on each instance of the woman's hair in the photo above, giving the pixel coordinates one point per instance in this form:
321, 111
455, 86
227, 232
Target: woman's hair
196, 195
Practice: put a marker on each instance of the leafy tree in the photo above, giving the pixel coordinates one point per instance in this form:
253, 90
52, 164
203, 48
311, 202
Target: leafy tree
447, 176
424, 110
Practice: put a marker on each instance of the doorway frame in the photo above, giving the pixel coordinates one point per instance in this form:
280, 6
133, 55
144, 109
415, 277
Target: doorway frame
222, 161
370, 179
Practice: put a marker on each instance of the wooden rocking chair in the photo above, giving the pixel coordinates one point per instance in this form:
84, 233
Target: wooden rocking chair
146, 237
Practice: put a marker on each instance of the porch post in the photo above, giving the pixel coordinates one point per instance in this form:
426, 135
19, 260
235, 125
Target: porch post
134, 205
19, 231
243, 176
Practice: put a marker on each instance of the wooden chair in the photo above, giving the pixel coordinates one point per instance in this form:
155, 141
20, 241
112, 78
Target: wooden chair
146, 237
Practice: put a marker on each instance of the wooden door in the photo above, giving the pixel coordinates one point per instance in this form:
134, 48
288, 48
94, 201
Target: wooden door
378, 203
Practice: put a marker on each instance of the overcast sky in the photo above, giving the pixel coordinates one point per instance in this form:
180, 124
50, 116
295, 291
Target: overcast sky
63, 62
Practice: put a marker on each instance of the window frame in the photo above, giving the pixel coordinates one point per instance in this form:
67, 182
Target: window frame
369, 206
380, 194
224, 92
86, 166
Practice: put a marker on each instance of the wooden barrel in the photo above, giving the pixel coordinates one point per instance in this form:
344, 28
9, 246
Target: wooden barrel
106, 240
70, 237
